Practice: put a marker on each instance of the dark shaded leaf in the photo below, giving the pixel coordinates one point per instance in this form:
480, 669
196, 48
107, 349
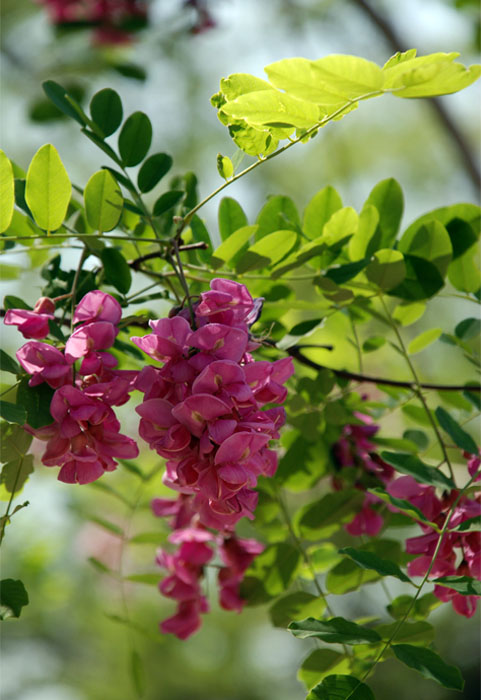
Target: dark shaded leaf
337, 630
135, 138
116, 269
459, 436
369, 560
409, 464
429, 664
153, 170
106, 110
13, 597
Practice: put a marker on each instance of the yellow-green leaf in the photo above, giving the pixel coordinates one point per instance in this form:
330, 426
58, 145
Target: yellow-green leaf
7, 192
103, 201
423, 340
48, 188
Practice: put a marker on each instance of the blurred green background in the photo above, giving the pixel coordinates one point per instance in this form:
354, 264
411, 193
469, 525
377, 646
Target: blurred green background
71, 643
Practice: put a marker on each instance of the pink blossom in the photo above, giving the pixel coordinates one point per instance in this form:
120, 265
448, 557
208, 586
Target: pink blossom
31, 324
45, 363
88, 338
98, 306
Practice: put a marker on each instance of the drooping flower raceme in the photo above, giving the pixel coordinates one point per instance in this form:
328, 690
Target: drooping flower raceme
354, 449
205, 412
85, 437
460, 550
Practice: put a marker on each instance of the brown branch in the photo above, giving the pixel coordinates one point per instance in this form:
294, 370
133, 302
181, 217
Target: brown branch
397, 44
295, 352
135, 264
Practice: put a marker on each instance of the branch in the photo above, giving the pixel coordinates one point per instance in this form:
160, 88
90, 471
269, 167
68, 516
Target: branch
295, 352
396, 43
135, 264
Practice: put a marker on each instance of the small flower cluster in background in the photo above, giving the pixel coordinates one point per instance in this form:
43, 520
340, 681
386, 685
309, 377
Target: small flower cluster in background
460, 552
204, 412
85, 437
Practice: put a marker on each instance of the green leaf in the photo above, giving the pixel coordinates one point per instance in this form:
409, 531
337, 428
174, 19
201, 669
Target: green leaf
13, 597
146, 538
35, 400
103, 201
318, 665
462, 235
323, 517
273, 108
15, 473
65, 102
231, 217
352, 75
99, 565
153, 170
337, 630
134, 139
431, 75
278, 213
106, 525
347, 576
225, 167
342, 224
408, 313
295, 606
200, 233
138, 672
166, 201
271, 573
106, 110
459, 436
464, 273
418, 437
8, 364
267, 251
409, 464
430, 242
387, 270
461, 584
368, 560
102, 145
403, 506
14, 442
233, 247
367, 238
387, 198
423, 340
337, 687
429, 664
373, 343
468, 329
148, 579
48, 188
319, 210
12, 413
7, 188
419, 633
344, 273
117, 272
405, 605
422, 280
470, 524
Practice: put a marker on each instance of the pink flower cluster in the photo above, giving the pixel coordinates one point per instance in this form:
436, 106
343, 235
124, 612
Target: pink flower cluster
459, 553
84, 438
354, 449
204, 412
114, 20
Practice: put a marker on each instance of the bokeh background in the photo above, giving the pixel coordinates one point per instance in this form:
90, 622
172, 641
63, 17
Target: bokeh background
71, 642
